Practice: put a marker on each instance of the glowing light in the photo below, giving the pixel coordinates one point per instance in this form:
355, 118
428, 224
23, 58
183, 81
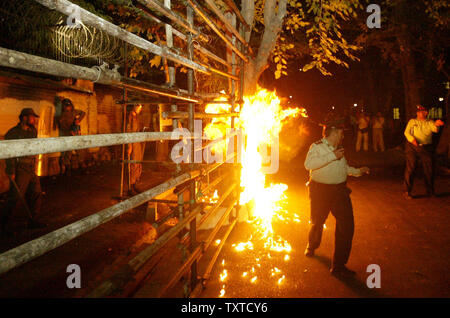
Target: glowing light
244, 245
281, 279
39, 165
261, 119
223, 275
286, 258
218, 242
222, 292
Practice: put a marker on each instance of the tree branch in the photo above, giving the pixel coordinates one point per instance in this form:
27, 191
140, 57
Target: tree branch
248, 12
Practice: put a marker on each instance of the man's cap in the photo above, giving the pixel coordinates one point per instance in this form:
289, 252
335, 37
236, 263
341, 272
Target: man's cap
420, 108
66, 102
338, 123
28, 112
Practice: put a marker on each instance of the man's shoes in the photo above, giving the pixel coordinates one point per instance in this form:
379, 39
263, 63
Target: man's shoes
309, 252
33, 224
407, 196
342, 271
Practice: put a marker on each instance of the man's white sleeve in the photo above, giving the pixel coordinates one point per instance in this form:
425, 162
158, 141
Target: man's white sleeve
316, 160
355, 172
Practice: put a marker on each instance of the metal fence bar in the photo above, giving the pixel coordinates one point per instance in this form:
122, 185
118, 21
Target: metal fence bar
233, 7
28, 62
66, 7
155, 5
196, 254
179, 114
230, 27
215, 28
183, 37
34, 146
218, 250
32, 249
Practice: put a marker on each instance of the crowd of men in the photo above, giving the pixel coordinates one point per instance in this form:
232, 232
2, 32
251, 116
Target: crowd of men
363, 123
23, 200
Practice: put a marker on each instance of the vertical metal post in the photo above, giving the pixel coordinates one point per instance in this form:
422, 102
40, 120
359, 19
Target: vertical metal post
124, 122
241, 102
191, 110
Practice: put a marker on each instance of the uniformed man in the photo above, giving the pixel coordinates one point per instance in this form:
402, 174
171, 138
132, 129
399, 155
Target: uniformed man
22, 176
328, 191
377, 132
362, 135
68, 116
135, 151
418, 133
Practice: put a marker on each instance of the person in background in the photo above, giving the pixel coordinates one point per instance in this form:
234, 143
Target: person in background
328, 191
377, 132
419, 144
75, 129
362, 136
68, 116
24, 183
135, 150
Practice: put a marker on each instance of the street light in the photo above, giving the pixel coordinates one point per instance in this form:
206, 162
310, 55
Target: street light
441, 99
355, 105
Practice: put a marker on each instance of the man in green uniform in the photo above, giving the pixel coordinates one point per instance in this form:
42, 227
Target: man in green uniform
24, 183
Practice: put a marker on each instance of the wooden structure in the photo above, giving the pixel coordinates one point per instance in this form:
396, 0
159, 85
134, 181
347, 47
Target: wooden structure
189, 175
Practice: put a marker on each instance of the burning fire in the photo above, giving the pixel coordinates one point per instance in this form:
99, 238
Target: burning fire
261, 120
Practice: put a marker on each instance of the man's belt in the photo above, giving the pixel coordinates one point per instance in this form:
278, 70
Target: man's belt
337, 185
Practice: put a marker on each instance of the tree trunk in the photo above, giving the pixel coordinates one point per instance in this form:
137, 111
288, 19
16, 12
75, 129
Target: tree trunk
273, 21
411, 83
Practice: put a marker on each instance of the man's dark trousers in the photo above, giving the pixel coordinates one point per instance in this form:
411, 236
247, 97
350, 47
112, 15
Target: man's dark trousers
335, 198
30, 188
413, 153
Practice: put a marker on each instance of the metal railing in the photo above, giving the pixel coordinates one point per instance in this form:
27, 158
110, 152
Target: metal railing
187, 211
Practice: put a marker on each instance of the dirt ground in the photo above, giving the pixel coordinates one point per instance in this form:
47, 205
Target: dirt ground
66, 200
409, 240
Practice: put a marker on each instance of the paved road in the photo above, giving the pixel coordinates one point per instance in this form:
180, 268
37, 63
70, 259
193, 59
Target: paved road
409, 240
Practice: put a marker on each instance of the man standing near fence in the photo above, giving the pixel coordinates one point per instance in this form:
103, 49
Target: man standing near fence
25, 192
